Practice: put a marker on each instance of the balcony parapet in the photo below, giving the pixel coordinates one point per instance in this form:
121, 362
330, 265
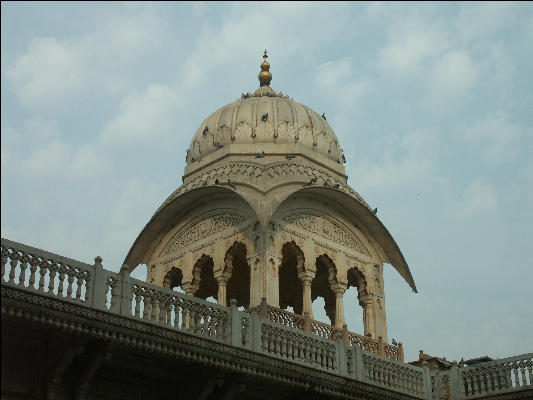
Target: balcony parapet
40, 278
321, 329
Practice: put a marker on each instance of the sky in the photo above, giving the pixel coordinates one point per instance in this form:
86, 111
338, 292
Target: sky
432, 104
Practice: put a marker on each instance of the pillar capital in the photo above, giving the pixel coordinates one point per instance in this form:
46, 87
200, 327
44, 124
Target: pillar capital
222, 276
190, 287
306, 276
339, 288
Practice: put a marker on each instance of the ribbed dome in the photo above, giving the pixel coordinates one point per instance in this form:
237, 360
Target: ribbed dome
265, 117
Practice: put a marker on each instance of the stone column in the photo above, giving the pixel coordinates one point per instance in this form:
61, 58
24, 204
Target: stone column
365, 301
307, 277
190, 288
222, 280
339, 289
374, 319
272, 280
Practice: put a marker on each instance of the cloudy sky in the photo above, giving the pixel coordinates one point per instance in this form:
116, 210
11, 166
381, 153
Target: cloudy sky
432, 104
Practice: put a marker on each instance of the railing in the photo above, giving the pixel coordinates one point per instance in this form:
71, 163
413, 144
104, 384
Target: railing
321, 329
394, 374
498, 376
267, 330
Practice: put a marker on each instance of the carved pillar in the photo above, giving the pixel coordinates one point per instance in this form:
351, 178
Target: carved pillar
222, 280
272, 280
257, 280
365, 301
374, 315
339, 289
307, 277
190, 288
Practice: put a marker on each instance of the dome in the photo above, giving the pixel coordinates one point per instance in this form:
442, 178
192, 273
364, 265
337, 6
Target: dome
265, 117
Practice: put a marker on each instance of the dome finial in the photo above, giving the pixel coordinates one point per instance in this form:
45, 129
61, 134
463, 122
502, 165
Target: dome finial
265, 76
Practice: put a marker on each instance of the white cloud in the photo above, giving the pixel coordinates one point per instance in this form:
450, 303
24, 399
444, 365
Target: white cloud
477, 21
497, 137
335, 79
144, 117
48, 71
404, 160
478, 198
452, 77
411, 44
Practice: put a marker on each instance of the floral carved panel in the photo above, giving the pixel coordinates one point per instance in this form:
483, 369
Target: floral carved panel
325, 228
202, 229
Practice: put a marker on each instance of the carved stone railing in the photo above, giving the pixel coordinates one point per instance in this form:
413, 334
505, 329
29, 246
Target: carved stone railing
396, 375
321, 329
498, 376
264, 330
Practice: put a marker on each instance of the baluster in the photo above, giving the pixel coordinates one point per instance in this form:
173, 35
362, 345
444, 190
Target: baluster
70, 283
87, 278
34, 262
522, 368
13, 264
154, 314
137, 303
529, 368
43, 264
61, 269
23, 266
79, 283
162, 312
168, 316
5, 253
146, 301
263, 341
192, 319
52, 275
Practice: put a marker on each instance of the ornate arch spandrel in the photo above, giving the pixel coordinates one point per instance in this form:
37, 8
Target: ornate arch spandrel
324, 227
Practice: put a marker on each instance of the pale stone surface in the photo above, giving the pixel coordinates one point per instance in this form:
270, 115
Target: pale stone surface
265, 212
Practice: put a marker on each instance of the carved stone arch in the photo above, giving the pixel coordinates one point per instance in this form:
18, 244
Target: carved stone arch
237, 271
326, 260
356, 278
203, 283
323, 283
290, 285
204, 227
325, 228
173, 278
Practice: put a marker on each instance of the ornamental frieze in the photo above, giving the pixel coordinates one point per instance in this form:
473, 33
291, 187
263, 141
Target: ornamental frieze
265, 177
202, 229
326, 229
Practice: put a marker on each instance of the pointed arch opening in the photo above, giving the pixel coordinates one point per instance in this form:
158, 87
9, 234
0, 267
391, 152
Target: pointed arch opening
326, 275
173, 279
357, 289
203, 275
290, 286
238, 269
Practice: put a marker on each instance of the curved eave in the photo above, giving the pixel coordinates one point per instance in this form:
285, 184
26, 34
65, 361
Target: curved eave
374, 226
146, 241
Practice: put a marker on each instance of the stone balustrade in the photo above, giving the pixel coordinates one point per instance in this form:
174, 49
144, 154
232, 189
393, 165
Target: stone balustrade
264, 330
321, 329
498, 376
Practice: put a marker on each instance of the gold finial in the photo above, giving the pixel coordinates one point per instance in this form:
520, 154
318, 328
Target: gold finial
265, 76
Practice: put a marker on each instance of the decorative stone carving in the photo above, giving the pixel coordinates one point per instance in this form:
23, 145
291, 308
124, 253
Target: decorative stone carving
206, 227
327, 229
264, 177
